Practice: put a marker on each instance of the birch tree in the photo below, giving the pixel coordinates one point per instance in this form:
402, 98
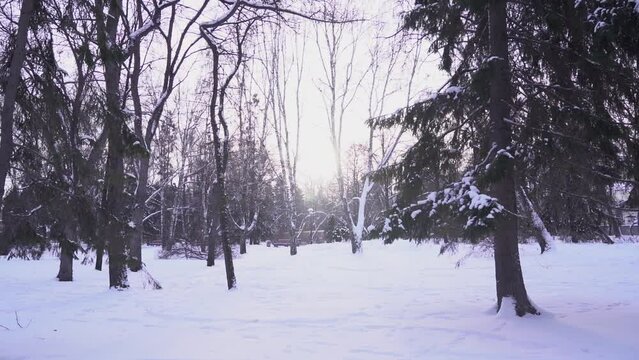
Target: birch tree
337, 43
278, 69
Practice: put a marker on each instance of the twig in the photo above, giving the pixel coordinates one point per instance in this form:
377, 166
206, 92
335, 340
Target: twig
18, 322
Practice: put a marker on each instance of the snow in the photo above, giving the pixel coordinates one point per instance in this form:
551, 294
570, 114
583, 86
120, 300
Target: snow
399, 301
387, 226
452, 91
145, 28
226, 15
494, 58
504, 152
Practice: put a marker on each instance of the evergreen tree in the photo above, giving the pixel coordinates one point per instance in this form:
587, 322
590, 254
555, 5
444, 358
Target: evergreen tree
10, 90
534, 72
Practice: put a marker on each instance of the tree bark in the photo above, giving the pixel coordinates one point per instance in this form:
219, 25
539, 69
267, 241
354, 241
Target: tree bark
8, 107
508, 273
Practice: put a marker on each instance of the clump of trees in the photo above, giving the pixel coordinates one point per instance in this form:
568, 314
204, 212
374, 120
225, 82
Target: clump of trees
110, 139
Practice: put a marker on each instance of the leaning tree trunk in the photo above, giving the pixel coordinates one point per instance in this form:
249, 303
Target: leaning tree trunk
541, 232
508, 273
10, 92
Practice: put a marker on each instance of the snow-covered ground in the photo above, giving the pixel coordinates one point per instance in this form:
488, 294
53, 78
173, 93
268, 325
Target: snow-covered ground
393, 302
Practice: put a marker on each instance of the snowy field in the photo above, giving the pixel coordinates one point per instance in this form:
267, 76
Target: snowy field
393, 302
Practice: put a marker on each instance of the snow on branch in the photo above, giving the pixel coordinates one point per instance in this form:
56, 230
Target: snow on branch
607, 14
461, 202
148, 26
450, 92
209, 25
274, 7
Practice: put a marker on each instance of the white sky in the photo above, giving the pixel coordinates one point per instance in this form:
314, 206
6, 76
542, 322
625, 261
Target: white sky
317, 162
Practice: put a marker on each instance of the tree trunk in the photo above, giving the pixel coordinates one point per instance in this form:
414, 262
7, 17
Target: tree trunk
633, 149
107, 29
212, 225
99, 254
243, 243
178, 202
614, 222
115, 186
67, 251
164, 222
293, 244
226, 246
210, 255
358, 229
508, 273
221, 147
100, 239
10, 92
137, 236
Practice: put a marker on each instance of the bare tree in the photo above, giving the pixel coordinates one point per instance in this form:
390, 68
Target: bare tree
177, 48
333, 39
278, 75
250, 167
221, 146
219, 126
